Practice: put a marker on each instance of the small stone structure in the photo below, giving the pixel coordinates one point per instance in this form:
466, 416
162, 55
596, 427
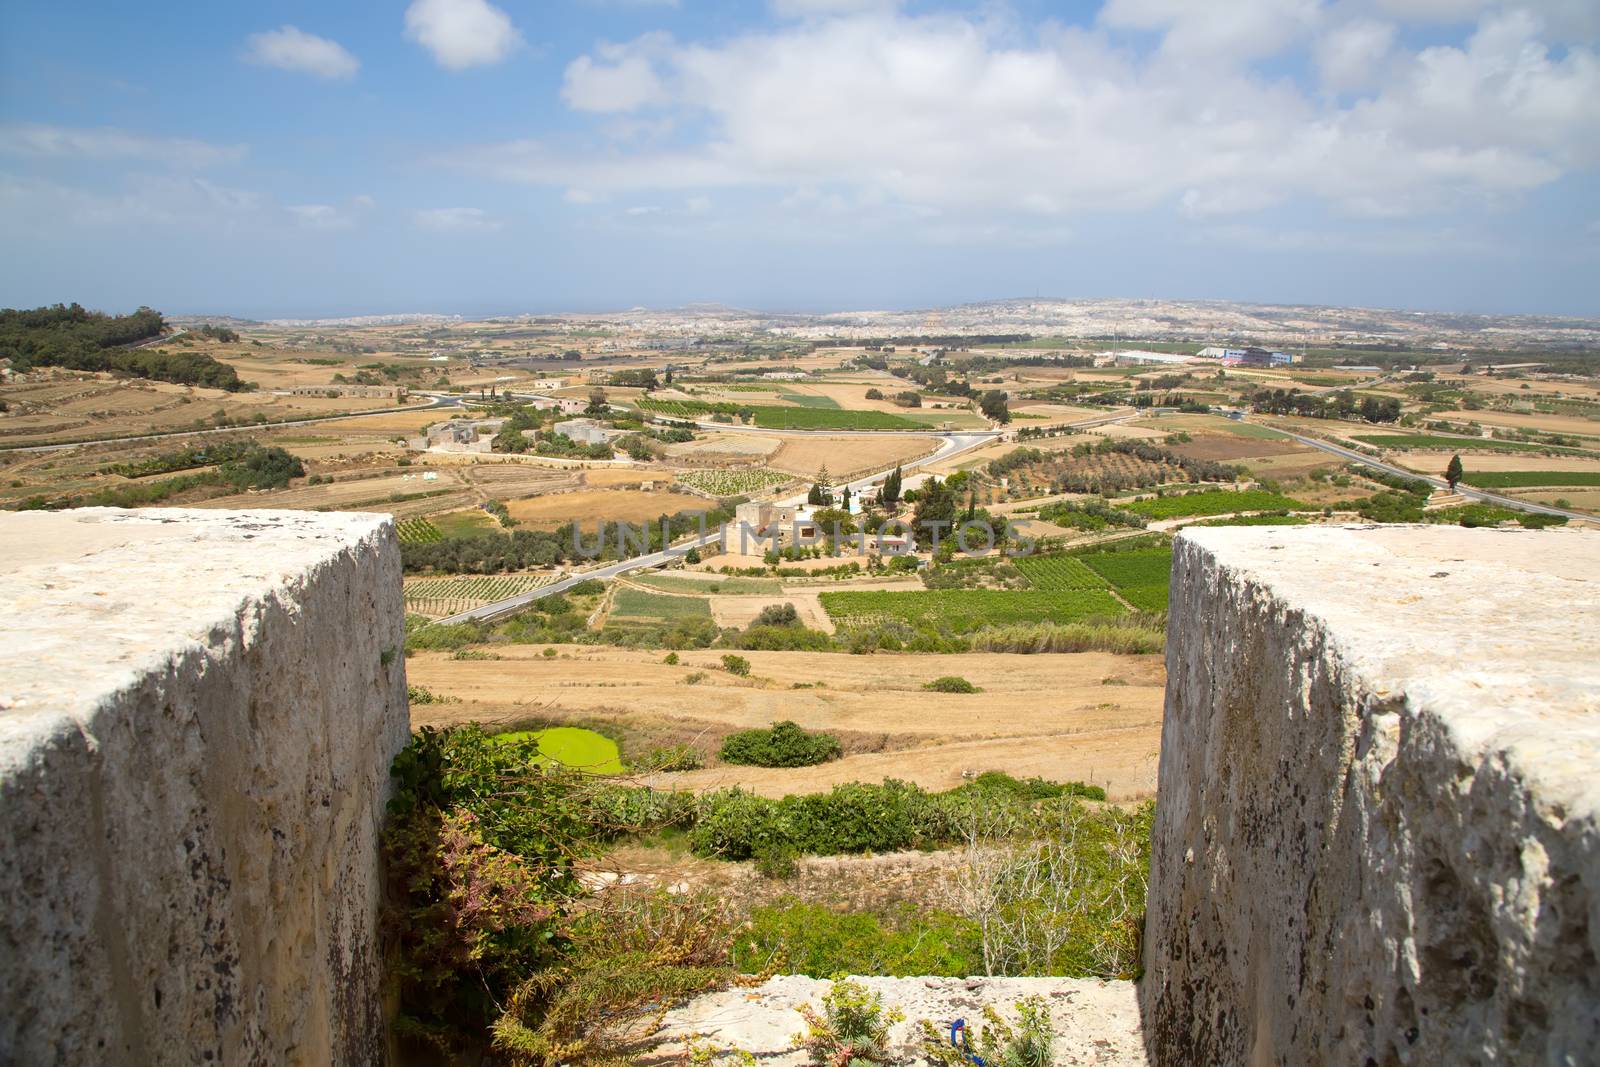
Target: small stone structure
198, 710
1375, 837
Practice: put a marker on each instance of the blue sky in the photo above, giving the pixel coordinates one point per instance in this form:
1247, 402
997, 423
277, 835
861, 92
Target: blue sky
299, 159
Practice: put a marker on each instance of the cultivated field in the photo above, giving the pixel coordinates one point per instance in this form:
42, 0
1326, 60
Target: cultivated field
848, 456
1089, 716
588, 506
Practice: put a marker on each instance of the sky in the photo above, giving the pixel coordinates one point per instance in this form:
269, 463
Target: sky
474, 157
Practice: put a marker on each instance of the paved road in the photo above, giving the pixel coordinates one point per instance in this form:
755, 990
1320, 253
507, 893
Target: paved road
1438, 483
437, 402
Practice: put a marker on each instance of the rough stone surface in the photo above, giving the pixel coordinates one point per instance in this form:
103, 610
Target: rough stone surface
1375, 840
197, 714
1096, 1023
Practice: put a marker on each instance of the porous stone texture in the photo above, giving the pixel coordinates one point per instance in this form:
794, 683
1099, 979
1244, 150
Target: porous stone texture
1096, 1023
198, 710
1375, 837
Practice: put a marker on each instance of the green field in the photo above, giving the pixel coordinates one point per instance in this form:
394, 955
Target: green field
809, 400
785, 418
1140, 576
1522, 479
1423, 440
574, 747
1212, 502
1257, 520
669, 583
965, 610
1055, 574
636, 605
465, 523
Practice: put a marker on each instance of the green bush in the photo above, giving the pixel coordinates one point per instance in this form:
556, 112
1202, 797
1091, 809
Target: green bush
736, 665
951, 683
902, 940
777, 615
785, 744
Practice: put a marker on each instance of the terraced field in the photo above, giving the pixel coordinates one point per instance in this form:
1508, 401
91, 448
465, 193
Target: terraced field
1213, 502
1526, 479
1055, 574
733, 482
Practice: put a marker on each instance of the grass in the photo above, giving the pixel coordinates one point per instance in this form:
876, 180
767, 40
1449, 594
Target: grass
965, 610
809, 400
1423, 440
669, 583
572, 746
1257, 520
465, 523
1521, 479
1212, 502
638, 604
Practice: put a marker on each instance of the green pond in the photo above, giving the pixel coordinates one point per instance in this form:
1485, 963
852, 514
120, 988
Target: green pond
573, 746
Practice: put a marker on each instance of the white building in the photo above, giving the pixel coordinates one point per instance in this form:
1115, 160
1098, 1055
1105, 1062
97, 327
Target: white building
572, 405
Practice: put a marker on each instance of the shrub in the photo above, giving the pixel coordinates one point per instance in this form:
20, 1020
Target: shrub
852, 1027
819, 941
777, 615
695, 678
736, 665
671, 660
417, 694
785, 744
951, 683
1030, 1044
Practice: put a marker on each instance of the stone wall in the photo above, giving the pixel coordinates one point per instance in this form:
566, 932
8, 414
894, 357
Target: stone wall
1375, 839
197, 714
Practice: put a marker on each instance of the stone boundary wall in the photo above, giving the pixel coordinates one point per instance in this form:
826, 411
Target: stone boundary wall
1375, 837
198, 710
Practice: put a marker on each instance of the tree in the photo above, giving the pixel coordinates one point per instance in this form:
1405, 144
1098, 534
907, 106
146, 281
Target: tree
891, 488
668, 375
597, 402
1453, 472
935, 514
844, 498
814, 496
993, 406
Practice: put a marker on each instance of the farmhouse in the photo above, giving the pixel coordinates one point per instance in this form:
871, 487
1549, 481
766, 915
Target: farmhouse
372, 392
585, 431
572, 405
458, 435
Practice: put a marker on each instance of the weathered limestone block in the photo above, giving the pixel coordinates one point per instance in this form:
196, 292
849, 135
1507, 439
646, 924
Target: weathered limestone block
198, 710
1375, 838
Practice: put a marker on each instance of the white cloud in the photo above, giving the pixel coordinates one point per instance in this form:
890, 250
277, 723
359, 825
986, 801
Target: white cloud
289, 48
644, 209
1350, 56
1238, 29
808, 8
320, 217
462, 33
581, 196
143, 200
620, 81
952, 117
457, 220
108, 142
698, 205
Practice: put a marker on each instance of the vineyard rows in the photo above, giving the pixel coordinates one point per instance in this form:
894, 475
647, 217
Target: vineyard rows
449, 596
733, 482
1213, 502
1059, 574
418, 532
1140, 576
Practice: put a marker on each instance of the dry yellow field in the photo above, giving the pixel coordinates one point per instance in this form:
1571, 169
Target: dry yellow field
1531, 421
589, 506
848, 456
1434, 462
741, 611
1050, 715
52, 407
